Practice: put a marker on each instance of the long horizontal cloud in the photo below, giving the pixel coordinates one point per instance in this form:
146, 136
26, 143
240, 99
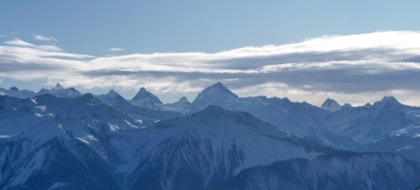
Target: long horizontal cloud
354, 64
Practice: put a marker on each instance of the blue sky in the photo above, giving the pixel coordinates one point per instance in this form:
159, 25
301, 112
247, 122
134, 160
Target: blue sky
80, 34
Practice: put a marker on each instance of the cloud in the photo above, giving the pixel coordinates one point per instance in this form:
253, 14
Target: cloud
42, 38
18, 42
116, 49
347, 67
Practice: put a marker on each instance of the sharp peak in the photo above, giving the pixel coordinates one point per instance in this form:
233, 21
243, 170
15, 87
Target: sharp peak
112, 91
58, 85
218, 85
329, 101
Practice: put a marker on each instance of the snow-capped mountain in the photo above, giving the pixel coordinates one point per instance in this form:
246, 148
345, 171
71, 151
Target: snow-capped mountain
49, 142
387, 126
217, 94
299, 118
59, 91
211, 145
15, 92
113, 98
66, 143
331, 105
146, 99
80, 143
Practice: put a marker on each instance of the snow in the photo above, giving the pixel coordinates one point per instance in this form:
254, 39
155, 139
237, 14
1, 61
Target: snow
213, 132
132, 124
82, 140
29, 168
113, 127
405, 148
42, 108
399, 132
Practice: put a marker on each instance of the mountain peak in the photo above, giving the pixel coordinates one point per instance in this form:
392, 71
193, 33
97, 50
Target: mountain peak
112, 93
216, 92
387, 101
183, 99
331, 105
113, 98
143, 94
58, 86
88, 98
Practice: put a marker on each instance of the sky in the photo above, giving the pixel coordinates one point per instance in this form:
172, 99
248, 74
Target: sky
352, 51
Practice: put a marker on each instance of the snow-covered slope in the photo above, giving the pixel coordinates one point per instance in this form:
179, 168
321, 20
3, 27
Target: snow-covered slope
146, 99
15, 92
80, 143
49, 141
331, 105
214, 144
59, 91
299, 118
340, 170
387, 126
113, 98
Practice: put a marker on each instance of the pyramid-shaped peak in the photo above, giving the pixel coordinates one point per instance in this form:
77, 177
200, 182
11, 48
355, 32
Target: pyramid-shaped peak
220, 86
143, 94
58, 86
112, 93
217, 91
331, 105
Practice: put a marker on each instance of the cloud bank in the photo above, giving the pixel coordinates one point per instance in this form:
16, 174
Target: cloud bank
355, 68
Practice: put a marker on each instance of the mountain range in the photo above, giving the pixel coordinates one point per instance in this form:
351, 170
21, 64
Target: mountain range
63, 139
